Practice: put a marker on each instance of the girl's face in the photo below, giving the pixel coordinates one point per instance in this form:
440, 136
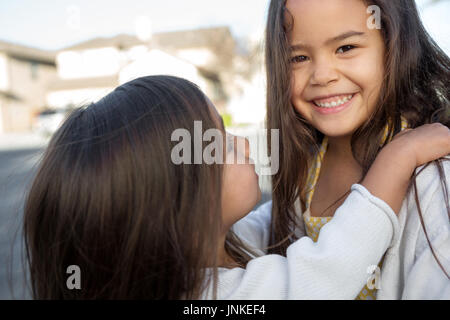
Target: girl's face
240, 187
337, 64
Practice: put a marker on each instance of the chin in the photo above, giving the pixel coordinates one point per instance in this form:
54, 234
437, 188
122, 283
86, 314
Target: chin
255, 200
337, 134
337, 131
259, 195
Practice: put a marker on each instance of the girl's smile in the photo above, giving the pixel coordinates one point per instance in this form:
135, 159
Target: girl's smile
337, 64
333, 104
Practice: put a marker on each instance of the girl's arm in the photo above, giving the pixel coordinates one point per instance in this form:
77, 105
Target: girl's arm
335, 267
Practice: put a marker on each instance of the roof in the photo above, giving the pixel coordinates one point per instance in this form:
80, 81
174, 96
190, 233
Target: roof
83, 83
176, 39
205, 37
27, 53
122, 40
218, 39
9, 95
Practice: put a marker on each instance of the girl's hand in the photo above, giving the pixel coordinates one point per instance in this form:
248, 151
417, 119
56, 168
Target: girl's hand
389, 176
423, 144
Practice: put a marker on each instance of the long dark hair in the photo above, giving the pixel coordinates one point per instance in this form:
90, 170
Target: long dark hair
416, 87
108, 198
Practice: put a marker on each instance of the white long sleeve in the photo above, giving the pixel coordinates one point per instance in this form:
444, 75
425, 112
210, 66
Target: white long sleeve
335, 267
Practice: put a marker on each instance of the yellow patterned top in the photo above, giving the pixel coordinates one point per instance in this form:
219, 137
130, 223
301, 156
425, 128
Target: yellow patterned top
314, 224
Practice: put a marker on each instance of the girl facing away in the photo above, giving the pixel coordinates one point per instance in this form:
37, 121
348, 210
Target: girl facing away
109, 199
343, 77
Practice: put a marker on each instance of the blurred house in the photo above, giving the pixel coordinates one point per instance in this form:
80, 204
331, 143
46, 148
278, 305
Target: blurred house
91, 69
37, 87
247, 105
24, 76
212, 51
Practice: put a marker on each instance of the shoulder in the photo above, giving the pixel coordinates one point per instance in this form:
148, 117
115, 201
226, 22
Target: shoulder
432, 182
433, 185
428, 177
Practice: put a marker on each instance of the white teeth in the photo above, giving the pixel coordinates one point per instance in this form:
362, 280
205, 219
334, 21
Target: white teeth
334, 103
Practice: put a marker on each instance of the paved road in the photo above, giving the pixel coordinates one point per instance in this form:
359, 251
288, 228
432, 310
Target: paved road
16, 171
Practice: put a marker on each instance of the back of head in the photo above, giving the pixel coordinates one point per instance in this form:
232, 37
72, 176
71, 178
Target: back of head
108, 199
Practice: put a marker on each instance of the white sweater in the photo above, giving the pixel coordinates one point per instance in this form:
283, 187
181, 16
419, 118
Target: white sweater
409, 269
333, 268
336, 266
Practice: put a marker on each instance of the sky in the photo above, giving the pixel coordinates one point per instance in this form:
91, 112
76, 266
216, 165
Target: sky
53, 25
50, 24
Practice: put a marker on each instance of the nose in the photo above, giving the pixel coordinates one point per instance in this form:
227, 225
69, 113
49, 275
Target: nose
324, 73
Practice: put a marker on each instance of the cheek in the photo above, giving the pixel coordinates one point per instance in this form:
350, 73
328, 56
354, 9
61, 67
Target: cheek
368, 73
377, 72
240, 192
298, 85
370, 65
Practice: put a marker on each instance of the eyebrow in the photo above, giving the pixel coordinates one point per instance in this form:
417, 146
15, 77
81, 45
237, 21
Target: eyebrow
340, 37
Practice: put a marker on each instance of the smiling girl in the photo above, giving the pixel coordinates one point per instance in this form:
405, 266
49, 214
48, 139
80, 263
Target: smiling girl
338, 90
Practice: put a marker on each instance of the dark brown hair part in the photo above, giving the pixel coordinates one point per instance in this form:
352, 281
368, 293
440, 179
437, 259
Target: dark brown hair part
108, 198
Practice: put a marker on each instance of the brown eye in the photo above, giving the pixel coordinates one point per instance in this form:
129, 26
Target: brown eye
299, 59
345, 48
